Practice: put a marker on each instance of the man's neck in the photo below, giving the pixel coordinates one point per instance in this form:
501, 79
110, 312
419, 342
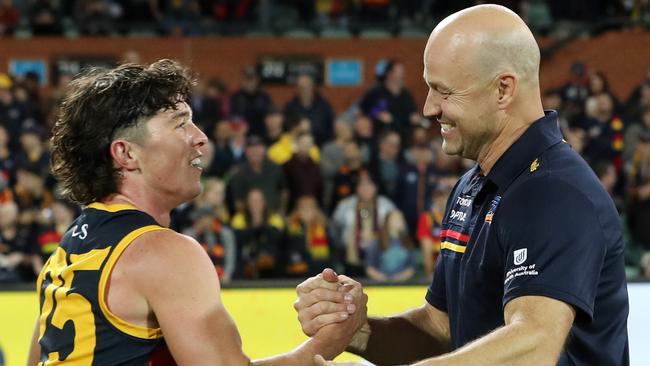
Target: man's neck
143, 202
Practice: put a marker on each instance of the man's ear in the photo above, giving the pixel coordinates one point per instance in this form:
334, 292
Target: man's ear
507, 88
124, 155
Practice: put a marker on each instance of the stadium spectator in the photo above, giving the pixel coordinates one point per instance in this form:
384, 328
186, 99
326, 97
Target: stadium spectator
430, 224
348, 174
9, 18
283, 149
388, 103
598, 84
57, 221
385, 166
357, 222
638, 210
33, 151
98, 17
415, 184
12, 113
45, 18
179, 17
258, 172
575, 93
259, 234
605, 131
251, 102
303, 174
364, 135
7, 162
19, 255
216, 238
332, 157
308, 102
633, 133
274, 123
207, 103
309, 248
391, 258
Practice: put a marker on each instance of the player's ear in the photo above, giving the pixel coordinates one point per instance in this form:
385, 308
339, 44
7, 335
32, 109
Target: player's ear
124, 155
507, 87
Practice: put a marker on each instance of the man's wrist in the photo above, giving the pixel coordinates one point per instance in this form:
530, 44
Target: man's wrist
359, 341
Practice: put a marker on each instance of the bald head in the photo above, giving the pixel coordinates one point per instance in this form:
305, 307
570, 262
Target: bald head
488, 40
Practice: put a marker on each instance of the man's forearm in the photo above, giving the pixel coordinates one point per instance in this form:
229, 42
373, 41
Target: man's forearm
515, 344
397, 340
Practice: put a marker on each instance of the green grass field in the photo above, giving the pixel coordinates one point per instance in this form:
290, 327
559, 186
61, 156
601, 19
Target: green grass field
265, 318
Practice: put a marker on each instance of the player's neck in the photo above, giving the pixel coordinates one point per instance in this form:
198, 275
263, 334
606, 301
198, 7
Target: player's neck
143, 203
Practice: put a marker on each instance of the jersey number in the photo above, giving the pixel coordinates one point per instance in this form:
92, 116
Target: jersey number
61, 306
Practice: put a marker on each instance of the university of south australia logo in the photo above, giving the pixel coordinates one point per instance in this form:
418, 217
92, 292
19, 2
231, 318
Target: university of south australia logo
520, 256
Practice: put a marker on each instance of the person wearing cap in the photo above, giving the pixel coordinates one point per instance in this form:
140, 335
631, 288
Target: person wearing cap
531, 270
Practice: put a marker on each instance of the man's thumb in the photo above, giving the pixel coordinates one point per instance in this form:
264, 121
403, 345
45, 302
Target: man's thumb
329, 275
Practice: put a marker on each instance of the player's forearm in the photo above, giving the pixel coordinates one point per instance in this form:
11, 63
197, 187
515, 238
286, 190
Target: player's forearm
397, 340
514, 344
303, 355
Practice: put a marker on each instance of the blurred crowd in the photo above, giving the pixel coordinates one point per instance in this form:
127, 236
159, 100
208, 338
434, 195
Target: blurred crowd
200, 17
291, 189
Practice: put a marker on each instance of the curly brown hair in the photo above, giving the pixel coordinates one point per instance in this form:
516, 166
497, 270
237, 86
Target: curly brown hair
100, 105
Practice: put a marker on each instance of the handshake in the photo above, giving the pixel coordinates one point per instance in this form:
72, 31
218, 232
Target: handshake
332, 309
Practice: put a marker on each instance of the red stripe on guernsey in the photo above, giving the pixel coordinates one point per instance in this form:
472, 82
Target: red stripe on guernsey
454, 235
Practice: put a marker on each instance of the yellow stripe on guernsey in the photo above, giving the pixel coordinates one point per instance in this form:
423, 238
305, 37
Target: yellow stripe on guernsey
453, 247
112, 208
124, 326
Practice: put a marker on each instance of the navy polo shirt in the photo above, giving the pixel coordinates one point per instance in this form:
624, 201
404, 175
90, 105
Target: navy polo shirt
540, 223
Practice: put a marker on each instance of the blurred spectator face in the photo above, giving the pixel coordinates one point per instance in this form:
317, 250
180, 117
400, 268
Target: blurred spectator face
239, 127
273, 122
596, 82
366, 190
222, 131
304, 126
256, 202
352, 155
363, 127
396, 75
591, 107
307, 208
29, 180
605, 106
342, 130
644, 99
390, 146
8, 214
21, 95
30, 141
304, 144
305, 86
214, 192
395, 223
422, 154
255, 153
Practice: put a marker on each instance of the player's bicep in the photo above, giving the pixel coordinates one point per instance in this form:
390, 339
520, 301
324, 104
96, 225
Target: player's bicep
183, 290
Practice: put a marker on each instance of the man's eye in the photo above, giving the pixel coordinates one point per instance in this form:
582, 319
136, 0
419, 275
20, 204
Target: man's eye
181, 125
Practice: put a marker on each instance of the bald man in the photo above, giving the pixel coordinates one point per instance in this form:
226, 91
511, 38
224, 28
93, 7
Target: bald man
531, 268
